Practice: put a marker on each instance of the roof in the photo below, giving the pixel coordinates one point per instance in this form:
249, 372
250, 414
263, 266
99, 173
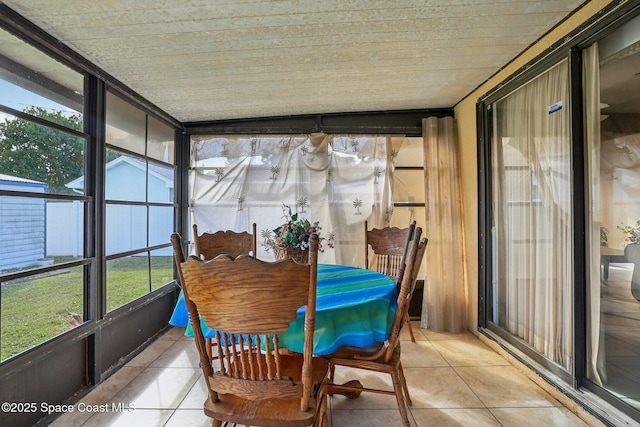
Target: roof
10, 178
228, 59
161, 173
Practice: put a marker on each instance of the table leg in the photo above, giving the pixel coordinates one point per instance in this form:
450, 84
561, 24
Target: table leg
351, 389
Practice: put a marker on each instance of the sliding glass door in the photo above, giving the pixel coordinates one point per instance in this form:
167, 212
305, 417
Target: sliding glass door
538, 274
560, 216
612, 112
532, 216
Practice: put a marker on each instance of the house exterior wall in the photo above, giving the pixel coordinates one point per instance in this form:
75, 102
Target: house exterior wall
126, 182
126, 224
465, 114
65, 230
22, 221
158, 190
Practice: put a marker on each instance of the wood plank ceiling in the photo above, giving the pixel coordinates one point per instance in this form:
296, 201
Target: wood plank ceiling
212, 60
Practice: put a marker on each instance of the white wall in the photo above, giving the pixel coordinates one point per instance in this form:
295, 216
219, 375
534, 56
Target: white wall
65, 224
22, 222
21, 226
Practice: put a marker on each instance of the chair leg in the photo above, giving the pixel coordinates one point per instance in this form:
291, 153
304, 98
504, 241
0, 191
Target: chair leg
408, 322
397, 387
322, 416
403, 381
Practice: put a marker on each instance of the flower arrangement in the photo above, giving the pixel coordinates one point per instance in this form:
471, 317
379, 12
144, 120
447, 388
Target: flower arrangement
293, 234
631, 233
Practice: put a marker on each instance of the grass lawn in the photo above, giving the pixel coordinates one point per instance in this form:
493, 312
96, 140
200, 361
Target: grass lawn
35, 310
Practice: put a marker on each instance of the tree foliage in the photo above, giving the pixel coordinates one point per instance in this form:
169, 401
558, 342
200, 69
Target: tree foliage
32, 151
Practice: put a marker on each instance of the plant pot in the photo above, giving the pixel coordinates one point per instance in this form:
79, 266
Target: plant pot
299, 255
632, 254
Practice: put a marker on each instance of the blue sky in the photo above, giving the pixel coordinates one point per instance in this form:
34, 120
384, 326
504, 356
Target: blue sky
19, 99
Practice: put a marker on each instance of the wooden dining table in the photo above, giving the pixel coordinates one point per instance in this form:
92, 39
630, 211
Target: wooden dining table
354, 307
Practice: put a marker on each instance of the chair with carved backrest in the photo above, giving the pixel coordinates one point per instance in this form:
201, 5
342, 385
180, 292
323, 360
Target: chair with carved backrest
389, 246
210, 245
385, 357
248, 302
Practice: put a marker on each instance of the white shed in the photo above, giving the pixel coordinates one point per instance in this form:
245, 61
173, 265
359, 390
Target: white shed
22, 224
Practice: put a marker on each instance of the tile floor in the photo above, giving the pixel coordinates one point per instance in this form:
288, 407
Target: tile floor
453, 379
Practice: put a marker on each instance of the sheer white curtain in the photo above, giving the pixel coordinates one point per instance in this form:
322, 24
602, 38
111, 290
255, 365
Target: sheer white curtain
338, 180
595, 350
532, 214
444, 305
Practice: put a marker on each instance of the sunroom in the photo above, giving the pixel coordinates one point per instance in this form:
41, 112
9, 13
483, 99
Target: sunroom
508, 131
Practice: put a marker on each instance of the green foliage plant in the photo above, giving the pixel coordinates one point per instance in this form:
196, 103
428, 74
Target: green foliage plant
631, 233
33, 151
294, 233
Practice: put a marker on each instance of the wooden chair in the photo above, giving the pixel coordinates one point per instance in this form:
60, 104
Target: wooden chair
210, 245
385, 357
389, 245
249, 302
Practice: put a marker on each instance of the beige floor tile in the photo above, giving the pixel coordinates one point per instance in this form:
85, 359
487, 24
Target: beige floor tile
178, 355
417, 332
439, 388
421, 354
151, 353
366, 400
535, 417
189, 417
174, 334
159, 388
504, 386
429, 387
468, 353
112, 385
453, 379
196, 396
102, 394
137, 418
370, 418
455, 417
443, 336
75, 418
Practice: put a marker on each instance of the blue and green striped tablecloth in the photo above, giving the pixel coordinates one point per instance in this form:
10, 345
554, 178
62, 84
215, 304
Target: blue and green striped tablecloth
354, 307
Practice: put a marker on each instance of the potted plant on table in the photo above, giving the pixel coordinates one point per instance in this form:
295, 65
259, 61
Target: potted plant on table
632, 254
291, 239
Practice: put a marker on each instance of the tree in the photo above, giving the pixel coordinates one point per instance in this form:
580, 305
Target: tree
33, 151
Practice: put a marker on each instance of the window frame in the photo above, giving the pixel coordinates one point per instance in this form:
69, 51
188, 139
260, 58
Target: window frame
569, 48
147, 248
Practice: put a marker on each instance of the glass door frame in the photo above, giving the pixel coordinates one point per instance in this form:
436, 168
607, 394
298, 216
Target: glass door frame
486, 260
570, 47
